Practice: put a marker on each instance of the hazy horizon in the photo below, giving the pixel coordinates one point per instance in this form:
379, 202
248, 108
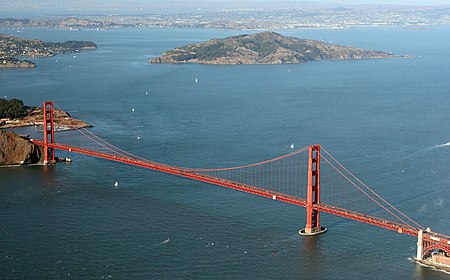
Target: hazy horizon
32, 7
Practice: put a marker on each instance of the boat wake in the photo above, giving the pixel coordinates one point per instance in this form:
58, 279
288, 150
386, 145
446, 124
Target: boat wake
432, 148
164, 242
437, 146
441, 145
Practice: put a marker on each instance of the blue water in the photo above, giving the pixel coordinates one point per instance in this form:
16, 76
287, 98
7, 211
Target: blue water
384, 119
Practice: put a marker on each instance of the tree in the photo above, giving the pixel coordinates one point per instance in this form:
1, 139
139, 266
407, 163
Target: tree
13, 108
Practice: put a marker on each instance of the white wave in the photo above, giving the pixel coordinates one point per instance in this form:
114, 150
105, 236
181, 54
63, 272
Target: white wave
164, 242
423, 208
442, 145
429, 266
435, 147
440, 202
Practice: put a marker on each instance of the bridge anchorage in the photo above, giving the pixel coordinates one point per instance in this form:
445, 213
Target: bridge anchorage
280, 179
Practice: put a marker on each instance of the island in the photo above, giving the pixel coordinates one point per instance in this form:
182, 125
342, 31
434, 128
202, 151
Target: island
12, 47
263, 48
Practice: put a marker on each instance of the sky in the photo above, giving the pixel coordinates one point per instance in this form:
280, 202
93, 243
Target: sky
63, 3
14, 8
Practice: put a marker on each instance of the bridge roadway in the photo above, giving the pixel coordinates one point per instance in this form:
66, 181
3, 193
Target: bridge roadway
443, 240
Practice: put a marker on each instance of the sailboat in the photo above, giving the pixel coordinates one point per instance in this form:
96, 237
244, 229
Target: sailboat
292, 146
196, 80
116, 184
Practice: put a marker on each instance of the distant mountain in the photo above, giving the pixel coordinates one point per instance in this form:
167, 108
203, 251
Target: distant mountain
60, 23
263, 48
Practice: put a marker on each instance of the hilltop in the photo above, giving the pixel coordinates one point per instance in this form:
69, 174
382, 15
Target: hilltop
263, 48
12, 47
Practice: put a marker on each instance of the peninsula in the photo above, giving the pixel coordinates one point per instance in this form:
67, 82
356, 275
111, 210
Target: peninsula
17, 149
13, 113
263, 48
12, 47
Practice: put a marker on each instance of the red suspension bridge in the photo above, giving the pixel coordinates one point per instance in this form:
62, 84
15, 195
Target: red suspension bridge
309, 177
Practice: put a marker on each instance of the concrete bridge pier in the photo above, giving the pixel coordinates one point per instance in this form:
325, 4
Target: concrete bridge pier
419, 255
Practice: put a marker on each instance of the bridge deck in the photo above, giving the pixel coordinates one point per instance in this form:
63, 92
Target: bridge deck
348, 214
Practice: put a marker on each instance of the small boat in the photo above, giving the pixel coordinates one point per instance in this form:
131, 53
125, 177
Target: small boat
139, 138
132, 109
196, 80
292, 146
116, 184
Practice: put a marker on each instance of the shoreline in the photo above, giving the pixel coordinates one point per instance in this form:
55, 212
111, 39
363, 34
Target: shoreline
20, 165
57, 129
63, 121
434, 265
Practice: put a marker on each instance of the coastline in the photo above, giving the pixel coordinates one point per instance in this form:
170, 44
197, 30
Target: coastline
63, 121
433, 265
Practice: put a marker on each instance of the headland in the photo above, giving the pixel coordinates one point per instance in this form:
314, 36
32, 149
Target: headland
12, 47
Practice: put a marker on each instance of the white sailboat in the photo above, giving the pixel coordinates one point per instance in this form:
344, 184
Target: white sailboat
292, 146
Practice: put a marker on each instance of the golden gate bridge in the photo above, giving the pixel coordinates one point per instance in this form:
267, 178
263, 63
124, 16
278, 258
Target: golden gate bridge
309, 177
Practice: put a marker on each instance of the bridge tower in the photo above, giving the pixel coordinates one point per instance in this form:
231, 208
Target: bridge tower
313, 194
49, 132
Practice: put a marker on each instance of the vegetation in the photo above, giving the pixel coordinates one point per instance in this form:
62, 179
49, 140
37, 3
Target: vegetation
71, 46
211, 52
201, 52
263, 48
182, 56
13, 108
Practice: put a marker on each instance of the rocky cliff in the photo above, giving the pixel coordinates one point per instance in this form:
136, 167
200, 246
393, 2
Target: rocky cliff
263, 48
15, 150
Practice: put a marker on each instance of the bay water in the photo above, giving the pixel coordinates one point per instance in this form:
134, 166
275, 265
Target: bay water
386, 120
